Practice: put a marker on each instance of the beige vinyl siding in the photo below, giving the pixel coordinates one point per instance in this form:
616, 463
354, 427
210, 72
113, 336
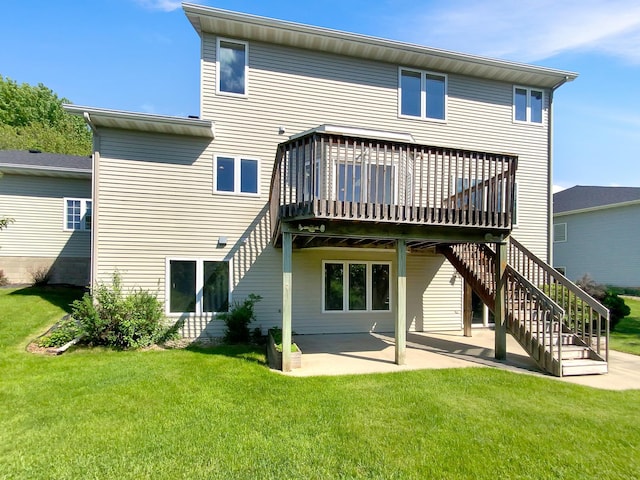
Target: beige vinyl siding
37, 206
299, 89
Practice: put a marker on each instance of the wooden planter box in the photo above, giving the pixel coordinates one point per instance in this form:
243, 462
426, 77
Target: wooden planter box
275, 357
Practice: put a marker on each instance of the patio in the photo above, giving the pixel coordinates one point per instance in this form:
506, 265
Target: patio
357, 353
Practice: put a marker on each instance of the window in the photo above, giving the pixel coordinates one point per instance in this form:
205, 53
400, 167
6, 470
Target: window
197, 286
561, 270
527, 105
559, 232
236, 175
356, 286
377, 183
422, 94
77, 214
232, 58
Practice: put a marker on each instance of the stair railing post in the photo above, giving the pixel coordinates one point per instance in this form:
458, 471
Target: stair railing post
468, 309
499, 307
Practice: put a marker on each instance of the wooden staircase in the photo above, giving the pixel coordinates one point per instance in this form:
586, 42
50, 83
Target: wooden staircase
562, 328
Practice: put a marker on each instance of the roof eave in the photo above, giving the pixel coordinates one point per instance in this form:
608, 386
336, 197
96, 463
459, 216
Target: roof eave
283, 32
44, 171
596, 208
102, 117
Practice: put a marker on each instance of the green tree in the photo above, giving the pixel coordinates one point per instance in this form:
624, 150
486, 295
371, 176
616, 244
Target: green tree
33, 118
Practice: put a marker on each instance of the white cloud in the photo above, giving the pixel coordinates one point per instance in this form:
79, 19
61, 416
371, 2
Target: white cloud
530, 30
164, 5
558, 188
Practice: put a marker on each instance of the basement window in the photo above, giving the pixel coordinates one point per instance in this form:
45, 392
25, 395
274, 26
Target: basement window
197, 286
356, 286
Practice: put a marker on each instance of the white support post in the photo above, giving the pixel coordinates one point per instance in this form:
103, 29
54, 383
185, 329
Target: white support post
401, 303
286, 301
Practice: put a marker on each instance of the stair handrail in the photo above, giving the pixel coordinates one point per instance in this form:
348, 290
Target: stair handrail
549, 276
556, 311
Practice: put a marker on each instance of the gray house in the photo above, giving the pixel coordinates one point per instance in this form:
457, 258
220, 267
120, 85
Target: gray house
49, 197
596, 231
357, 184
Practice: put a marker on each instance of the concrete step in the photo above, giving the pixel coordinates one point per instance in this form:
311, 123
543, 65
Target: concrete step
583, 367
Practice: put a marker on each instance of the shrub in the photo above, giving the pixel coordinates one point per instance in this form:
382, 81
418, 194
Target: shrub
618, 309
121, 321
40, 276
238, 320
65, 331
4, 281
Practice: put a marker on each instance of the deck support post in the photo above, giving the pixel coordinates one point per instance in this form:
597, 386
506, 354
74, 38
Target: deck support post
401, 302
286, 300
467, 309
499, 307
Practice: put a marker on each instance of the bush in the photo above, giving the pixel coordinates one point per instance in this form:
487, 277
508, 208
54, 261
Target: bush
618, 309
120, 321
238, 320
4, 281
62, 333
40, 276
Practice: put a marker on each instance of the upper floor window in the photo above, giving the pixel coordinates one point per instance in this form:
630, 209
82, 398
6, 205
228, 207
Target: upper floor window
527, 105
559, 232
238, 175
77, 214
232, 62
422, 94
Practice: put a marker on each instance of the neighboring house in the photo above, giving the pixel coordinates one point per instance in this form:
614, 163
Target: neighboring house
49, 197
596, 232
328, 172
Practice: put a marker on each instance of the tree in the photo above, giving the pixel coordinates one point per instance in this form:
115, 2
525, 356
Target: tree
33, 118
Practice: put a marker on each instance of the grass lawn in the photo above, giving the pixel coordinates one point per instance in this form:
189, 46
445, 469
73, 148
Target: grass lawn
220, 413
626, 336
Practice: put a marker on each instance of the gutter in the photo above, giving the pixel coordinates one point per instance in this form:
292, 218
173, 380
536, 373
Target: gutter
550, 170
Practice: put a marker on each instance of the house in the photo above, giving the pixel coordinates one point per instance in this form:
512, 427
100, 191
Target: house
348, 180
49, 198
596, 231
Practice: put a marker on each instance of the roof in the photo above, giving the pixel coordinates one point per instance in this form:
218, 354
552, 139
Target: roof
144, 122
582, 197
269, 30
34, 162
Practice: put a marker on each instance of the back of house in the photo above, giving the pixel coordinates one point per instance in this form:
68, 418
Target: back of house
342, 147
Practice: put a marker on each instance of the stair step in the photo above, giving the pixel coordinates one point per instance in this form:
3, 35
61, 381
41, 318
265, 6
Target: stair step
575, 352
583, 367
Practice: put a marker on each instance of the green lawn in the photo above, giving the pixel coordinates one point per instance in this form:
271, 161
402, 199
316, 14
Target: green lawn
221, 413
626, 337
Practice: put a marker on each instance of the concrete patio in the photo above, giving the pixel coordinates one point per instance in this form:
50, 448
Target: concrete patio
358, 353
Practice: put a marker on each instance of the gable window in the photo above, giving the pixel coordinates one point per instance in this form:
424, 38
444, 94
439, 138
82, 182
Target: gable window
77, 214
356, 286
197, 286
232, 65
422, 94
236, 175
527, 105
559, 232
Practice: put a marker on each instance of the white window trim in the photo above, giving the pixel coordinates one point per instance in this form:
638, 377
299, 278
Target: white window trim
345, 286
83, 212
528, 120
237, 169
246, 67
423, 95
555, 226
199, 287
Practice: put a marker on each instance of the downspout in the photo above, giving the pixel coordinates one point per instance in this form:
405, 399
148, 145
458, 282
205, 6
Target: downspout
550, 172
95, 168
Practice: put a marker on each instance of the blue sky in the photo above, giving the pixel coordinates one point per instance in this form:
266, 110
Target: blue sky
143, 55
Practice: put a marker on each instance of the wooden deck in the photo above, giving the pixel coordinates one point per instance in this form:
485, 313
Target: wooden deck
391, 184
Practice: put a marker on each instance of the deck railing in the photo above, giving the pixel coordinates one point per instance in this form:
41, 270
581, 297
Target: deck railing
326, 175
